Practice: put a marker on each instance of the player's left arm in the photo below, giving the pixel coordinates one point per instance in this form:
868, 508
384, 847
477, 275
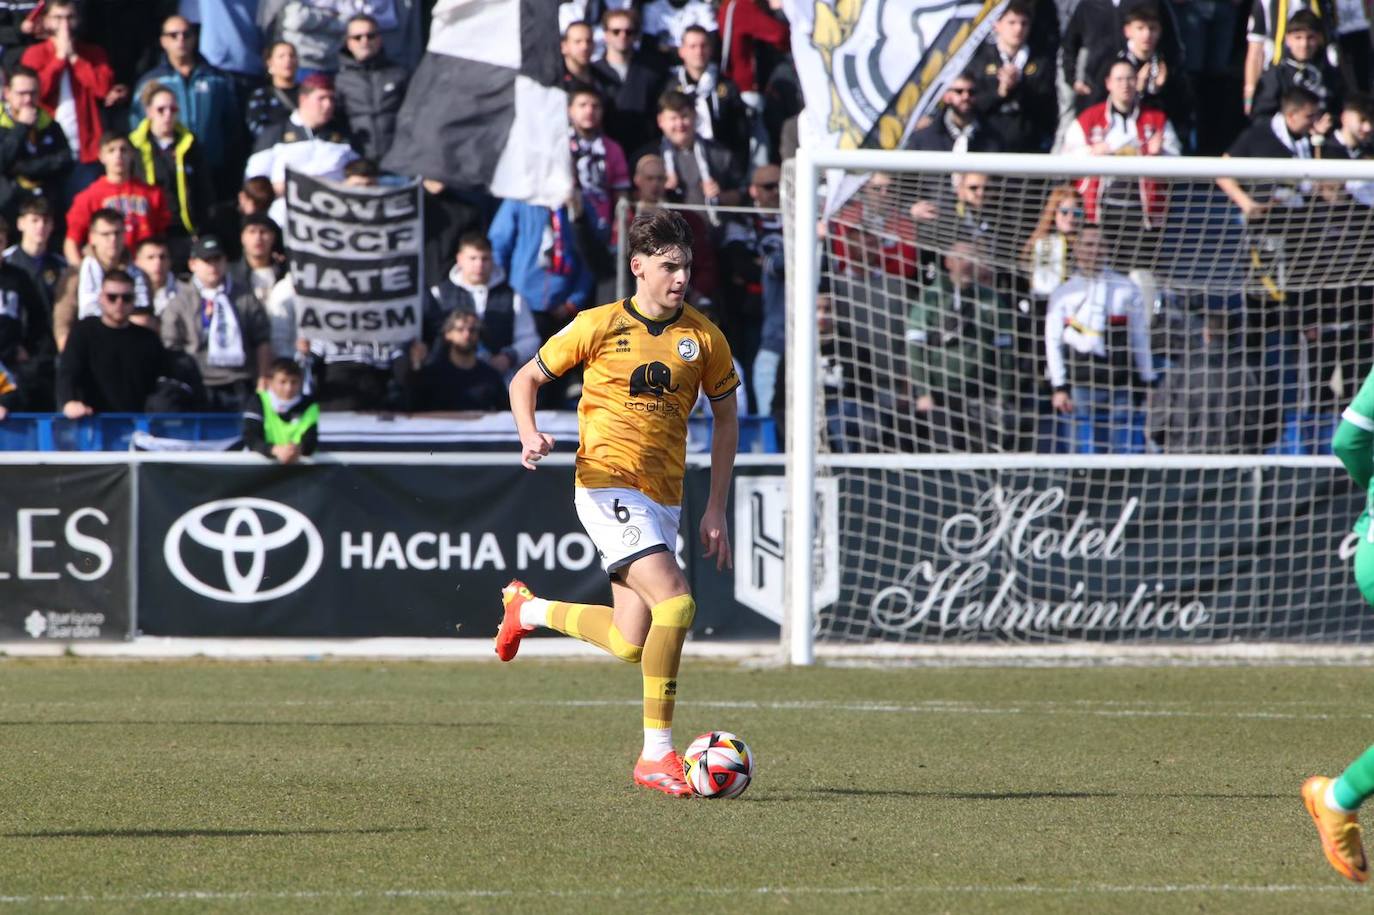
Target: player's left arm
715, 532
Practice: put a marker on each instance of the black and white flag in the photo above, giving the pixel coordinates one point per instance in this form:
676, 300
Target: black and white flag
485, 106
355, 255
871, 69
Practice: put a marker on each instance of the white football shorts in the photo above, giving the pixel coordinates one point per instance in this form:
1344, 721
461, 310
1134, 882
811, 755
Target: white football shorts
625, 525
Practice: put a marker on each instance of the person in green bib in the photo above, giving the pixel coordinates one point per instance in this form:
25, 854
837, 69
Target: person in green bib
280, 422
1333, 802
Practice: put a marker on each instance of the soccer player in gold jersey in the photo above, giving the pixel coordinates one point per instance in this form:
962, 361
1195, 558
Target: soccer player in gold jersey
644, 359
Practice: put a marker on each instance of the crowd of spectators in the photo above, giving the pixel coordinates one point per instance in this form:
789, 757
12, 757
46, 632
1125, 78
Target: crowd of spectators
144, 145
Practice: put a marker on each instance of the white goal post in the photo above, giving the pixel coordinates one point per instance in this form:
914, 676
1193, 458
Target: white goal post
1129, 520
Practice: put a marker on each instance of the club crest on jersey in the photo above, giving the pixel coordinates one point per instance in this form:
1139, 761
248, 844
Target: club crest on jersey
687, 348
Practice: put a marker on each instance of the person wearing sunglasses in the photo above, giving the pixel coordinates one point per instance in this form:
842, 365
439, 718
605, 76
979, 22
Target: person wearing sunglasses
630, 84
169, 156
370, 88
957, 126
205, 97
110, 365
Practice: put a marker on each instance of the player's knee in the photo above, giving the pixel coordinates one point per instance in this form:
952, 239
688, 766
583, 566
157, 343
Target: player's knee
624, 649
677, 612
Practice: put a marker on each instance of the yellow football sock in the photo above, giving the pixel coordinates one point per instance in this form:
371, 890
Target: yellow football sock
592, 624
662, 654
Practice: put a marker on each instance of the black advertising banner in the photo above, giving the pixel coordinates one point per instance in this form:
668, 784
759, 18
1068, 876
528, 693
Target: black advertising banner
1102, 555
354, 550
379, 550
65, 552
355, 259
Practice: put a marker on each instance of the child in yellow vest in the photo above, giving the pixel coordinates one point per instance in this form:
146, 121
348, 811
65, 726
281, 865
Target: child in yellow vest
280, 422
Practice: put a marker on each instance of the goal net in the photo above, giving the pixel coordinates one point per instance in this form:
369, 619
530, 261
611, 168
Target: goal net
1044, 399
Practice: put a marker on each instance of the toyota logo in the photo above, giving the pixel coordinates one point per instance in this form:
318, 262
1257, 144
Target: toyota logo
243, 533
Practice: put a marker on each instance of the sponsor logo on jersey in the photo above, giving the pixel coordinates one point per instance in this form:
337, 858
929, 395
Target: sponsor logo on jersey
652, 378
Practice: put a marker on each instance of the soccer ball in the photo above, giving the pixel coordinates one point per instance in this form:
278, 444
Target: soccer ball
718, 764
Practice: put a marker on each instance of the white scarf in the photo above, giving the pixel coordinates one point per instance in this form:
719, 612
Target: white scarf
669, 153
703, 92
1050, 263
224, 337
961, 135
1017, 60
282, 406
589, 161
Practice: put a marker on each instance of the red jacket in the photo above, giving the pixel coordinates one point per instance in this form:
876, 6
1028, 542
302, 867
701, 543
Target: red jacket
92, 80
858, 245
1091, 127
742, 22
144, 208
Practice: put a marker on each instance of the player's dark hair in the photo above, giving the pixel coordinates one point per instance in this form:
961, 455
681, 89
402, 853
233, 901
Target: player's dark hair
36, 206
118, 276
1145, 12
272, 48
574, 24
285, 366
655, 231
474, 240
1295, 97
1305, 21
108, 215
696, 28
21, 70
676, 101
152, 241
1020, 8
579, 88
259, 190
362, 168
1361, 103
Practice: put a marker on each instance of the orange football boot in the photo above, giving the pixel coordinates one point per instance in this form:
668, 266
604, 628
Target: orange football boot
508, 636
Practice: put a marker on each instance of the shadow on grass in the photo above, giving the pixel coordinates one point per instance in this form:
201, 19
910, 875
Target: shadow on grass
836, 793
204, 833
252, 724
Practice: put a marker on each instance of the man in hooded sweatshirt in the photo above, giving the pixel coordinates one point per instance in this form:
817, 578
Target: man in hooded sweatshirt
476, 284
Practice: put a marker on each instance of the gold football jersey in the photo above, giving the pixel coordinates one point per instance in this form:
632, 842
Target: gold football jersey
640, 380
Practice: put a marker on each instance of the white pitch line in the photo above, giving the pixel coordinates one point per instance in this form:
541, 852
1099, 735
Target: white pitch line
781, 891
1074, 708
937, 707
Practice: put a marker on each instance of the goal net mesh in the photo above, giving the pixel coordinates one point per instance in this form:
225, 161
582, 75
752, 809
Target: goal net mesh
966, 316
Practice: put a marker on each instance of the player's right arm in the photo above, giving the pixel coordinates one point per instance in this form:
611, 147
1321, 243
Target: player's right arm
1354, 439
524, 388
568, 348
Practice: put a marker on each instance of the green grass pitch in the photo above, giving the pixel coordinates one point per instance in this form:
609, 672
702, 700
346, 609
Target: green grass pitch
442, 787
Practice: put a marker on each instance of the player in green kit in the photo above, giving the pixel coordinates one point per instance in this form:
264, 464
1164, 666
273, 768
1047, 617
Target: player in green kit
1333, 802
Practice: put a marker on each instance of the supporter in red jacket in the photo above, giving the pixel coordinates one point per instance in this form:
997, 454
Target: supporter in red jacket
75, 79
144, 207
743, 23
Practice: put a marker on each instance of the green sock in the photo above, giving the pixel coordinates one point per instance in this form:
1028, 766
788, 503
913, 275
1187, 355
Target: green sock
1356, 782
